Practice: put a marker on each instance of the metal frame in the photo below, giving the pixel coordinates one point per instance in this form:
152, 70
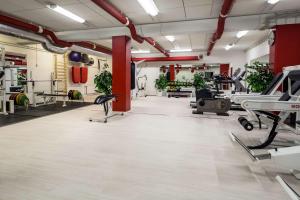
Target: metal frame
288, 189
108, 112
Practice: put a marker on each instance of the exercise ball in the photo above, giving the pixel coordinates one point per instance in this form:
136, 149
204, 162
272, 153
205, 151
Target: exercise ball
75, 56
92, 61
85, 58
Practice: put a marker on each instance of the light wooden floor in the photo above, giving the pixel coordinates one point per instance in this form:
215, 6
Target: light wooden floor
158, 151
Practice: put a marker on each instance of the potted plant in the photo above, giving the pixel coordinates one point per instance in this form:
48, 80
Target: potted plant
103, 81
199, 82
161, 84
259, 76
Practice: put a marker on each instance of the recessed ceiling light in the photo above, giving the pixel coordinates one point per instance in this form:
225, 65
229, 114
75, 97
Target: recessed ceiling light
229, 46
65, 12
273, 1
180, 50
170, 38
140, 51
149, 6
241, 33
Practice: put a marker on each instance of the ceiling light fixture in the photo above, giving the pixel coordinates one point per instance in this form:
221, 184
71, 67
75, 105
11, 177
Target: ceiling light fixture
180, 50
139, 51
66, 13
241, 34
273, 1
170, 38
229, 46
149, 6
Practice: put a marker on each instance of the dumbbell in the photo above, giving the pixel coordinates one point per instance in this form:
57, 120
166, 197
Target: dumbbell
245, 123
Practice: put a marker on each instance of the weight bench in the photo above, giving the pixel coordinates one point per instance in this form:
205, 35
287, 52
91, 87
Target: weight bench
45, 95
106, 101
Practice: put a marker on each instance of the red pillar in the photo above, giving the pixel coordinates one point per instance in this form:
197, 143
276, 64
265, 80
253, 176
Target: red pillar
286, 47
172, 72
121, 71
224, 69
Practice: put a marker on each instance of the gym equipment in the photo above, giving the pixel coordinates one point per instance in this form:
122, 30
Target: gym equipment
288, 103
106, 101
85, 58
208, 101
245, 123
75, 56
271, 94
75, 95
133, 75
179, 93
236, 79
91, 62
3, 85
141, 85
288, 189
83, 75
20, 99
2, 73
76, 74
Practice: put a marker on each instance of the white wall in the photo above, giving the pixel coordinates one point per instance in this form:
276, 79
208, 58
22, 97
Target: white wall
41, 63
235, 58
93, 70
151, 70
258, 53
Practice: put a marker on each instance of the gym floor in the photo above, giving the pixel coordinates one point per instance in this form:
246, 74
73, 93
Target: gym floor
158, 151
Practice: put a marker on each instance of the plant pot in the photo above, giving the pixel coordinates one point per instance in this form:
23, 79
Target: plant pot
164, 93
159, 93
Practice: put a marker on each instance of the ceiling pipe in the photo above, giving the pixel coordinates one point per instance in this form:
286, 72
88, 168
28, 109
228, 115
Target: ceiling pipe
7, 30
163, 59
152, 42
226, 8
51, 37
94, 47
117, 14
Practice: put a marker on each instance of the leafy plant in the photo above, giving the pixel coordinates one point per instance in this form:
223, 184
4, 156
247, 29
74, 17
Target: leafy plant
259, 76
161, 83
199, 82
103, 82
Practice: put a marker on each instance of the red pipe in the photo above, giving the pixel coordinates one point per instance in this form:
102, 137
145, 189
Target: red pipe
160, 59
116, 13
152, 42
95, 47
9, 21
226, 8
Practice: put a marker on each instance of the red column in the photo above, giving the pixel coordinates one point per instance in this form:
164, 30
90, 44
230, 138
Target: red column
121, 71
224, 69
286, 47
172, 72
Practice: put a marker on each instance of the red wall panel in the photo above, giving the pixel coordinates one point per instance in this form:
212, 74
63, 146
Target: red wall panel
224, 69
285, 50
172, 72
121, 72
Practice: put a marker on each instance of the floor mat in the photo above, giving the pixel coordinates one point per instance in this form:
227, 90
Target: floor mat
21, 115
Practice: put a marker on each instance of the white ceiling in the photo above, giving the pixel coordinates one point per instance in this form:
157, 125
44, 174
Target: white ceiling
170, 11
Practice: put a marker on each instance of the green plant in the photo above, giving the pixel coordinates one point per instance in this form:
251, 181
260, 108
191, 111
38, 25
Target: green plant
199, 82
103, 82
259, 76
161, 83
